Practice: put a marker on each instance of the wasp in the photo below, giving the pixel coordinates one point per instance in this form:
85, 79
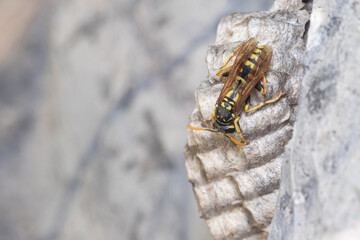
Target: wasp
243, 76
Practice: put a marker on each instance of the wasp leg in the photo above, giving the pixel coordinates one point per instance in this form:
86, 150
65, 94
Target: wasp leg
225, 69
238, 129
232, 54
247, 102
261, 88
234, 141
258, 87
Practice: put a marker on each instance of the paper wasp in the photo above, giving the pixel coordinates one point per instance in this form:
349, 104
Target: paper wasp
243, 75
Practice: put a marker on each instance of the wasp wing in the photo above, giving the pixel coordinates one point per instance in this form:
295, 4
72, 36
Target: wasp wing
242, 55
254, 77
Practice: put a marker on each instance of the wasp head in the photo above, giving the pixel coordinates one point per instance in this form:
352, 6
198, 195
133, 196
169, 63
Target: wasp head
224, 117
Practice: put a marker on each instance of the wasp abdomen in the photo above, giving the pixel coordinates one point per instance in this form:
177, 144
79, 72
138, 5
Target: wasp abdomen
252, 62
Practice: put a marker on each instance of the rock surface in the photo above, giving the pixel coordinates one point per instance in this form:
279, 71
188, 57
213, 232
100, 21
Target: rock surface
236, 187
319, 194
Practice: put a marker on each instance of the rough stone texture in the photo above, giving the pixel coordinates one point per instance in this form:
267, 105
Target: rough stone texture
236, 187
319, 195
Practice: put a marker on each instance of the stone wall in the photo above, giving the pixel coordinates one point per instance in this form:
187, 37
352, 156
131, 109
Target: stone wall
319, 194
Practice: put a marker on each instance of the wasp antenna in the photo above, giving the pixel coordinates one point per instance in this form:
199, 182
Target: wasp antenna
197, 128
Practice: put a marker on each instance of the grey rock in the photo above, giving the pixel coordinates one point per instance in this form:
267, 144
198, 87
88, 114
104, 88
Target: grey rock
319, 194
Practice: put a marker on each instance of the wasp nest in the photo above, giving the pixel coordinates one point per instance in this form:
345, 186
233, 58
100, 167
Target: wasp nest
236, 187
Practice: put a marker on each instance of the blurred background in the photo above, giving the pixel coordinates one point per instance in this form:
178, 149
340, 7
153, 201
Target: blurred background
94, 99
